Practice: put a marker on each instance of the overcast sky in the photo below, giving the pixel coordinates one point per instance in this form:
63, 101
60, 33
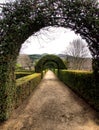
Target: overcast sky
52, 41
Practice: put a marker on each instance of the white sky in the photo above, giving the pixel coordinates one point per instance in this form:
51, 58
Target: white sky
53, 41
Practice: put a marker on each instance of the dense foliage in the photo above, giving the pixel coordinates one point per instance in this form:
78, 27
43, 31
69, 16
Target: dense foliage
83, 83
22, 18
49, 61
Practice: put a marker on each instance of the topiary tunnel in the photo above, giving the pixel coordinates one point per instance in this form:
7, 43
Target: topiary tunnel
50, 65
22, 18
47, 60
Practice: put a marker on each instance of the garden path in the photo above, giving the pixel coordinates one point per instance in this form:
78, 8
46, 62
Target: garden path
52, 106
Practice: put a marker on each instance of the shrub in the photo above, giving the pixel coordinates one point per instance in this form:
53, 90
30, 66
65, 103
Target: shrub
25, 87
83, 83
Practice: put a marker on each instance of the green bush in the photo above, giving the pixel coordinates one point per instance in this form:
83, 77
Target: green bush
25, 87
83, 83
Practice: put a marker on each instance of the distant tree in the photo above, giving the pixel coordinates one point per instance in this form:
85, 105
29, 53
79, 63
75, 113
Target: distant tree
25, 61
78, 51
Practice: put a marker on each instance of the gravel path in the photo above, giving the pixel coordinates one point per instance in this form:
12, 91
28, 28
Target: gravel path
52, 106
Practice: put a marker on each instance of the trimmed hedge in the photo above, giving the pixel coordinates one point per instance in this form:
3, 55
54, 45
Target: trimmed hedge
83, 83
22, 74
25, 87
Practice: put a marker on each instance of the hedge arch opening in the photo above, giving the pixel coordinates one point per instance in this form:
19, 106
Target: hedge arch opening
52, 60
50, 65
22, 18
58, 63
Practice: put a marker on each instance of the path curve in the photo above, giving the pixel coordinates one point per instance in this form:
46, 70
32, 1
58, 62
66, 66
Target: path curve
52, 106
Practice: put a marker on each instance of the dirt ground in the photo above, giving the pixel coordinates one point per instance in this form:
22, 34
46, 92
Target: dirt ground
52, 106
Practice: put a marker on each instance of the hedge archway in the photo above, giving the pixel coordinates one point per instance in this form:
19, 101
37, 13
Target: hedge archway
22, 18
58, 63
50, 65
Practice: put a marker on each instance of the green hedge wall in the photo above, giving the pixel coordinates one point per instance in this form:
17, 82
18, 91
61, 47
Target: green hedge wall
22, 74
83, 83
25, 87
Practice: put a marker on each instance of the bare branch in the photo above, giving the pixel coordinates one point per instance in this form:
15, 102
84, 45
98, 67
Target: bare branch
77, 51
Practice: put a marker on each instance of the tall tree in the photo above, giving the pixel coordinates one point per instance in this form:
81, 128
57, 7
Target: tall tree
78, 51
